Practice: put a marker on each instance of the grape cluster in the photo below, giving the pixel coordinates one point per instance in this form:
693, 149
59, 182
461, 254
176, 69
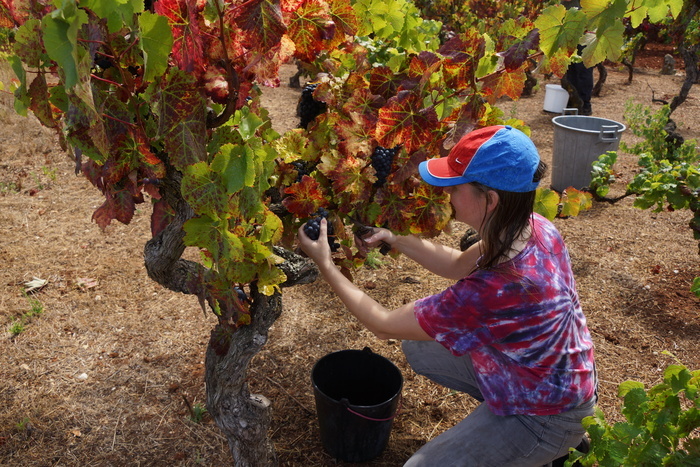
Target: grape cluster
382, 158
302, 168
312, 228
309, 108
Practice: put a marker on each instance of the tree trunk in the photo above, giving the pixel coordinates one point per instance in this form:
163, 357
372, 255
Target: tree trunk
689, 51
690, 57
244, 419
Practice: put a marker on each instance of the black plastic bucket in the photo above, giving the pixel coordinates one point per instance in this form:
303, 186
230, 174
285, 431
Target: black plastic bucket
357, 397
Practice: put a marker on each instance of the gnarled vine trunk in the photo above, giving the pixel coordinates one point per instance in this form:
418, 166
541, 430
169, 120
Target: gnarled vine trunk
244, 419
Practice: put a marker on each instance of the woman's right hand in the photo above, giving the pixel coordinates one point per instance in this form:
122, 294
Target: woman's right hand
375, 239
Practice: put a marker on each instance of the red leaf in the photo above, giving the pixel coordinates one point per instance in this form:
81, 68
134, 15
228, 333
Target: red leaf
39, 102
504, 84
463, 54
118, 205
517, 53
404, 121
183, 15
161, 216
350, 176
383, 81
309, 26
424, 64
304, 197
260, 22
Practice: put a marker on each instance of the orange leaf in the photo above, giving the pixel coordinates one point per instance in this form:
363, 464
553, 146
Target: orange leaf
304, 197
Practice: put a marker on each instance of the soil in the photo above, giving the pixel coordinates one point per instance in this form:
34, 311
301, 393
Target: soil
108, 369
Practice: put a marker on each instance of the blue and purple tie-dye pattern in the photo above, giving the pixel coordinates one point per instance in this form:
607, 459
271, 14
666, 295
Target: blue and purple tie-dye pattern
523, 327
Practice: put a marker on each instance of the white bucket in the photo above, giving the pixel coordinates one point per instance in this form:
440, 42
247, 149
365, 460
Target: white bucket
555, 98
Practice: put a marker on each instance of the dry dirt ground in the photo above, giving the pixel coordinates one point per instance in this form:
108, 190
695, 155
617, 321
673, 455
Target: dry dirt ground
109, 362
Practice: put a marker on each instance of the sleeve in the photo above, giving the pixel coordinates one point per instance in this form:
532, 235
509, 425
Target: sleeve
453, 319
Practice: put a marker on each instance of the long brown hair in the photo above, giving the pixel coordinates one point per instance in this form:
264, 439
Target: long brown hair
506, 222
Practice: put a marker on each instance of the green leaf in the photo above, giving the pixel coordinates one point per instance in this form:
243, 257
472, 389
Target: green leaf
247, 123
695, 288
119, 13
546, 203
61, 39
202, 232
22, 100
156, 43
235, 165
201, 188
560, 28
607, 45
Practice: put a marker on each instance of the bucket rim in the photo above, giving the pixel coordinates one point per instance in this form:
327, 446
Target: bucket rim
561, 119
365, 351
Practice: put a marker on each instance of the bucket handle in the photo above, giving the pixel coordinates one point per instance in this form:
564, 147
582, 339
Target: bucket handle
398, 409
608, 133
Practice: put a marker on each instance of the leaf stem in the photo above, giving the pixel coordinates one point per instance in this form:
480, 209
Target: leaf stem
93, 75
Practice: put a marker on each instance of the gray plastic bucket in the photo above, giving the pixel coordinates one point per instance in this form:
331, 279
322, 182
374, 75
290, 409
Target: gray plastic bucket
578, 142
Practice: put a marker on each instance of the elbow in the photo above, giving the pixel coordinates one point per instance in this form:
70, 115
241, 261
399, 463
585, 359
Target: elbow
383, 335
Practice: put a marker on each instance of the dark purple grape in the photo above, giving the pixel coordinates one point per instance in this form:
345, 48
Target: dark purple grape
312, 228
382, 158
309, 108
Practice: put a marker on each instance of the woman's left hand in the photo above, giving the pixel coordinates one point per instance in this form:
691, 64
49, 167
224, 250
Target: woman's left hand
317, 250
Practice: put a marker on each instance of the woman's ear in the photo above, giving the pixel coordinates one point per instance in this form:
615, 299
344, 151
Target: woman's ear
492, 200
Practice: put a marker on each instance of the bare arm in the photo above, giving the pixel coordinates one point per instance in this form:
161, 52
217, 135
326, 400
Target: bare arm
439, 259
385, 324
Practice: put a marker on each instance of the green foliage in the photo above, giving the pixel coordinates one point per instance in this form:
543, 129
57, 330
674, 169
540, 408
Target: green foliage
658, 428
36, 309
602, 174
198, 412
669, 176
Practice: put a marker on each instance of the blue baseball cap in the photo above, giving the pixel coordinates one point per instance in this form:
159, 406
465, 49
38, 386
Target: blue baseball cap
499, 156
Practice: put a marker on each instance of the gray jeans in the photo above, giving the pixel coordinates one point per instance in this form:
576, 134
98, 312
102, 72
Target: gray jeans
483, 438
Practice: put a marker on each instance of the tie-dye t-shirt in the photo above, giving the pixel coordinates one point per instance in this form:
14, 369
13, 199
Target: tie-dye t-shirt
522, 324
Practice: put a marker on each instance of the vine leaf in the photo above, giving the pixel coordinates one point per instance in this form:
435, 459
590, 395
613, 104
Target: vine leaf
573, 201
156, 43
183, 120
431, 210
61, 39
498, 85
560, 28
261, 22
350, 176
188, 48
546, 203
309, 27
202, 189
119, 205
463, 54
404, 121
304, 197
517, 54
39, 104
607, 44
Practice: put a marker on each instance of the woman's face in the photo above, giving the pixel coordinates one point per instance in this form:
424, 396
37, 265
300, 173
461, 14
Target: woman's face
470, 203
